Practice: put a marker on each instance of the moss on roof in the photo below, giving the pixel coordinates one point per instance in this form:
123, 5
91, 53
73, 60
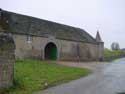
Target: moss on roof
22, 24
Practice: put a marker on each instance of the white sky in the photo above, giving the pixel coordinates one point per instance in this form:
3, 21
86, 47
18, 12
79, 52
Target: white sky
107, 16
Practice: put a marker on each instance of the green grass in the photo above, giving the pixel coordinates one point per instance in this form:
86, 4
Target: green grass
30, 75
112, 55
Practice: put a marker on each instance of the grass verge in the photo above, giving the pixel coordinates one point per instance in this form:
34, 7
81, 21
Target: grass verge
112, 55
31, 75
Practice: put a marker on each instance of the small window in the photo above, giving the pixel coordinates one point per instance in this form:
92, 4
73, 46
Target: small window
29, 39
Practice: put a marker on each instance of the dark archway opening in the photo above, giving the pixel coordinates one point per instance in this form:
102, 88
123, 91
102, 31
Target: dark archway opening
50, 51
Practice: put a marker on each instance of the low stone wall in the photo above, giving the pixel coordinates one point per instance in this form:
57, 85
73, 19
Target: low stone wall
7, 60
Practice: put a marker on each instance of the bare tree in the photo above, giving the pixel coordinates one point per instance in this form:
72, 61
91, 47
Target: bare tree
115, 46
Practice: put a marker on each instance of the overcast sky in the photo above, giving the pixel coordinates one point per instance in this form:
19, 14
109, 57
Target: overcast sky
107, 16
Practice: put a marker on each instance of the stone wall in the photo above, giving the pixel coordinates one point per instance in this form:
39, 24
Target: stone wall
35, 49
78, 51
101, 51
7, 59
67, 50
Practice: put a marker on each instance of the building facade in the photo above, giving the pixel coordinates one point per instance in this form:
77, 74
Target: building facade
42, 39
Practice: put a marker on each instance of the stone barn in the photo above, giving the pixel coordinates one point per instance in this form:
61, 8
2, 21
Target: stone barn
42, 39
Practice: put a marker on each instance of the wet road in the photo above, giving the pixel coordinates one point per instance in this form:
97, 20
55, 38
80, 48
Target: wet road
107, 79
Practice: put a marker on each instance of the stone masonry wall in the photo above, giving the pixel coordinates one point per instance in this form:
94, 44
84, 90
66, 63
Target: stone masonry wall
67, 50
74, 51
7, 59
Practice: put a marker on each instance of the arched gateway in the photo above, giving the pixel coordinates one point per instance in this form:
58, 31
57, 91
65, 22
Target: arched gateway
50, 51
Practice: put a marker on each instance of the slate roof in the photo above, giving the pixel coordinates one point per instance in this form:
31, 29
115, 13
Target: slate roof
22, 24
